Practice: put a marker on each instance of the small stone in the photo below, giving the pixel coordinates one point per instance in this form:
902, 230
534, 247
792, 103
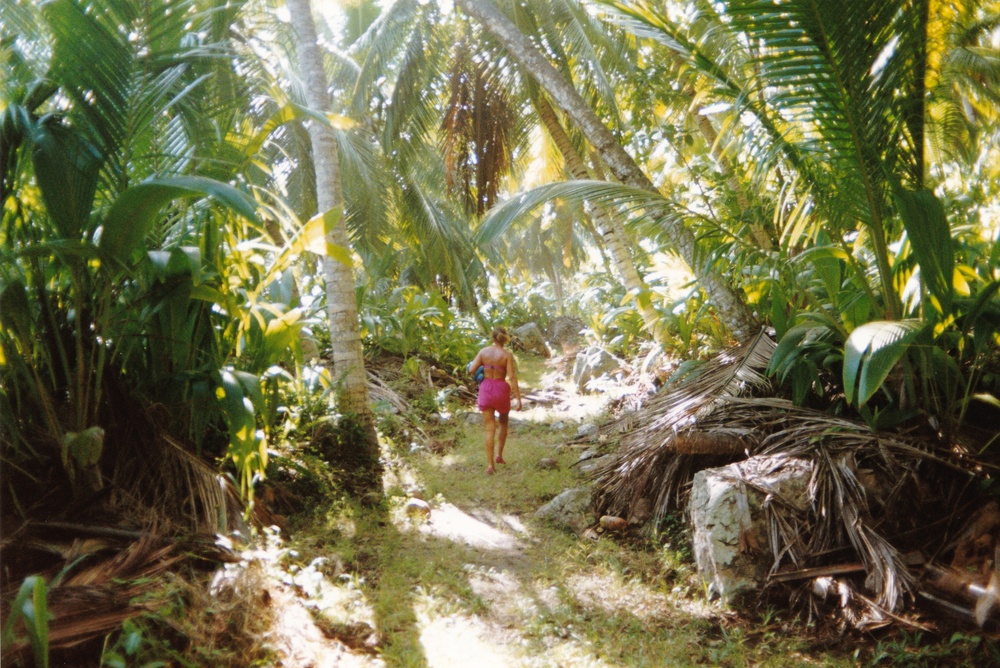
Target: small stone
418, 508
594, 463
548, 463
558, 426
612, 523
586, 430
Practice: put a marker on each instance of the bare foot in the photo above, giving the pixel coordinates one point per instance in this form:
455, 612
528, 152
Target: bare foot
500, 460
490, 470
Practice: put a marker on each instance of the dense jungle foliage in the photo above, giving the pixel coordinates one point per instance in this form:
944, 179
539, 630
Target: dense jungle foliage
676, 175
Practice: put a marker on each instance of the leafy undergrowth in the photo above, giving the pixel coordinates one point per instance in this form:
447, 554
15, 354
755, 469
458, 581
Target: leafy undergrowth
478, 581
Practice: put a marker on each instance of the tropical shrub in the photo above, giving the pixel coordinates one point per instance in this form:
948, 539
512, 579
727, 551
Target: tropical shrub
135, 274
413, 323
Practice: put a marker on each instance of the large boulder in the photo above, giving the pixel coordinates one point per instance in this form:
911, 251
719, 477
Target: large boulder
567, 332
572, 508
593, 362
528, 338
731, 543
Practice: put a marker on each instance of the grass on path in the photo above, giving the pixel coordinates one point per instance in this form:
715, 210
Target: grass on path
481, 583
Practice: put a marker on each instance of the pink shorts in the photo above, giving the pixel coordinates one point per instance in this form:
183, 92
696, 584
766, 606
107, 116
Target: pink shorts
494, 394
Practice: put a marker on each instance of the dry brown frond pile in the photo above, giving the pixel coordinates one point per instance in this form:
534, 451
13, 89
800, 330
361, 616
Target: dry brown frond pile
886, 502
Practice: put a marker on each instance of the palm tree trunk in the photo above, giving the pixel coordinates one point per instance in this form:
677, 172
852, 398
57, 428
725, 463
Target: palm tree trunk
612, 235
345, 326
730, 304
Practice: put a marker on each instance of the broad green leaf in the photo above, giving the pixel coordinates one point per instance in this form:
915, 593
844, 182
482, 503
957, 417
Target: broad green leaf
67, 168
930, 237
237, 407
207, 293
870, 353
134, 213
39, 620
287, 113
979, 306
313, 238
281, 334
30, 605
251, 386
159, 259
783, 357
247, 450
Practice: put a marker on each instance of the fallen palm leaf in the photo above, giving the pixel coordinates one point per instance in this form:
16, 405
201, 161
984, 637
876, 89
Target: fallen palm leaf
861, 492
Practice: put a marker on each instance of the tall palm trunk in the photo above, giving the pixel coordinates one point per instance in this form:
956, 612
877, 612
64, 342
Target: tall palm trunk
730, 304
345, 326
609, 228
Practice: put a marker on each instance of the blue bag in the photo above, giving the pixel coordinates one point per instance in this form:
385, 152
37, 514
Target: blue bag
480, 372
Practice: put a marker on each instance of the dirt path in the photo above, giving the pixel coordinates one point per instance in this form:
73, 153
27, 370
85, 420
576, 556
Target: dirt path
472, 579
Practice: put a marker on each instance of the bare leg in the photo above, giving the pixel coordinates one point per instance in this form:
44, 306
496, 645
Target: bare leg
502, 436
491, 425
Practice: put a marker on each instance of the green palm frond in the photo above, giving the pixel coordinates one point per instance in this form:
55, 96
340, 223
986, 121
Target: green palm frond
25, 60
588, 53
848, 78
381, 44
410, 108
638, 204
444, 249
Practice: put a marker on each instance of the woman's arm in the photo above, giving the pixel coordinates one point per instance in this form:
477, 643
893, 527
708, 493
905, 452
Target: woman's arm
476, 363
512, 372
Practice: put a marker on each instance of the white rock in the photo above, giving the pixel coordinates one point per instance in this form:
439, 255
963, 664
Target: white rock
731, 544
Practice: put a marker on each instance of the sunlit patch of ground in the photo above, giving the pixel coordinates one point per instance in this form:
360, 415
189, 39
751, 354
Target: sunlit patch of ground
601, 591
456, 640
449, 522
568, 406
298, 641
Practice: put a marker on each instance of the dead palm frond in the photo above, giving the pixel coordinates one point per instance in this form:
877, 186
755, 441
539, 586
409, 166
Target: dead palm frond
656, 456
861, 494
162, 481
379, 391
862, 483
93, 596
733, 372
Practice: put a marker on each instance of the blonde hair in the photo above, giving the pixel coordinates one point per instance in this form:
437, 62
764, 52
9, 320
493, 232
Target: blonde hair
500, 335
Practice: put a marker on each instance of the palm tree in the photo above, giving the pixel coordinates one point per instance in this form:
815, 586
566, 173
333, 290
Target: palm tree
726, 300
607, 224
345, 327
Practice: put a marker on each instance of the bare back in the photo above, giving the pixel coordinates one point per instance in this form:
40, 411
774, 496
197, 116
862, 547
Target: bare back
496, 362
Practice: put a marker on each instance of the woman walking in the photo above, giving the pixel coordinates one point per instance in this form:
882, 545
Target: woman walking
494, 392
